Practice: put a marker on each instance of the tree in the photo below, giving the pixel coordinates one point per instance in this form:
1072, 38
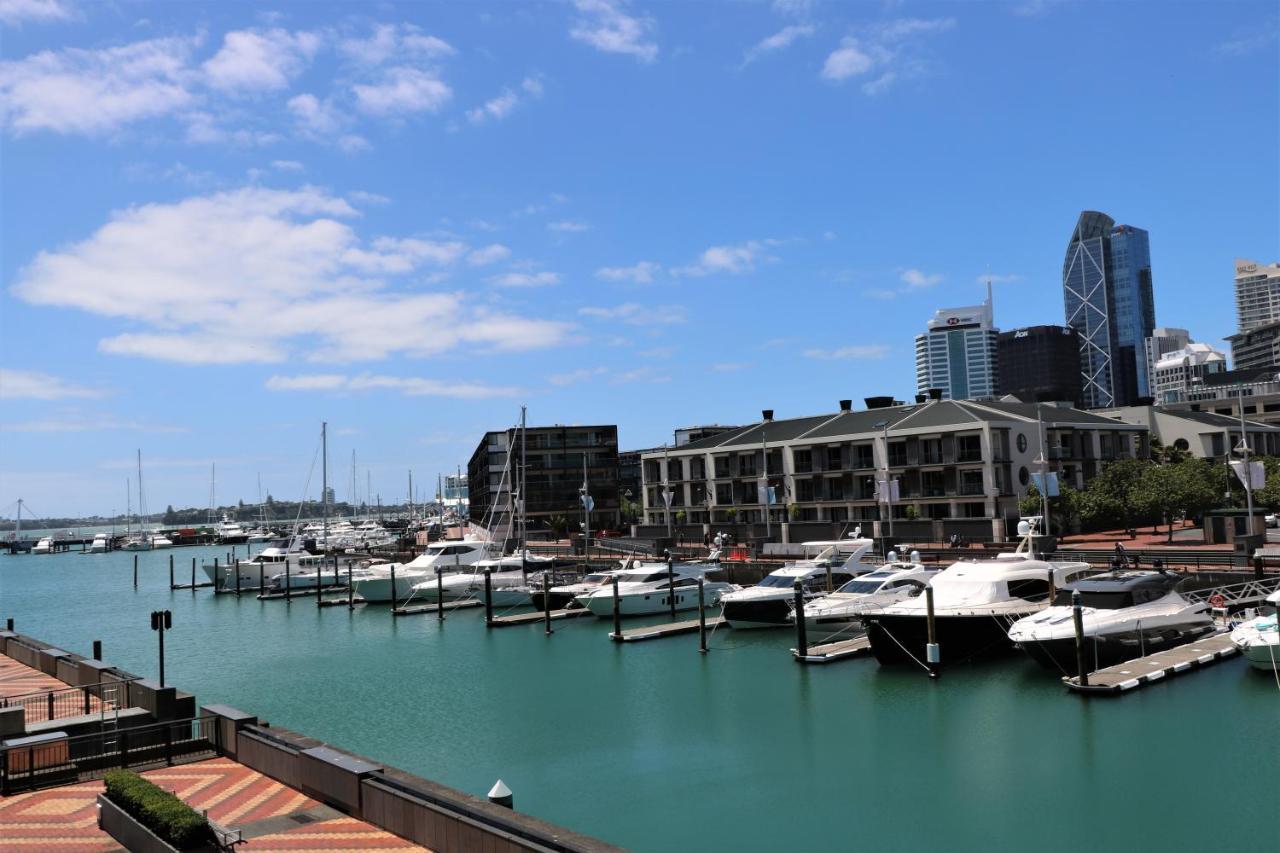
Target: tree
1167, 454
559, 525
169, 516
1166, 490
1108, 499
1269, 495
911, 513
1064, 510
793, 511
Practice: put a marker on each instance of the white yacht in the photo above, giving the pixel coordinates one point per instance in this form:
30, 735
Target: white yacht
975, 602
451, 556
647, 589
509, 579
43, 546
840, 613
267, 563
1126, 615
260, 534
136, 542
230, 532
769, 603
101, 544
564, 595
1259, 638
159, 540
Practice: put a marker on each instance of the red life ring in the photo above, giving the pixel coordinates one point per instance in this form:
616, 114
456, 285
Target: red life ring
1217, 601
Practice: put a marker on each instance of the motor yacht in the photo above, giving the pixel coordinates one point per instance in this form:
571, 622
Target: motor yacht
769, 603
101, 544
266, 564
975, 602
1259, 638
230, 532
450, 556
159, 540
563, 596
43, 546
509, 581
840, 613
260, 534
647, 589
137, 542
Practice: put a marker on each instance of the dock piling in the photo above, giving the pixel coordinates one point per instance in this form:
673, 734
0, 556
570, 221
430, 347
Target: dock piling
617, 612
8, 624
351, 589
288, 583
193, 573
702, 616
546, 601
932, 654
439, 594
135, 571
260, 578
393, 586
170, 571
488, 598
237, 578
671, 584
97, 650
802, 641
1077, 616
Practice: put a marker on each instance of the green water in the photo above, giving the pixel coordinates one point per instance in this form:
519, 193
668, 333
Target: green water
655, 747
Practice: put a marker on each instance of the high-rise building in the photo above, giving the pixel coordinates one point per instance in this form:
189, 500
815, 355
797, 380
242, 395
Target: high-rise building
957, 355
1108, 297
1257, 348
1162, 342
1179, 373
1257, 294
1040, 364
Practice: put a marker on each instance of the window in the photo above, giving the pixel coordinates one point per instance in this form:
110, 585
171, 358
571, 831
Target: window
834, 462
747, 465
722, 466
803, 461
1024, 476
1031, 589
968, 448
1022, 443
863, 457
724, 493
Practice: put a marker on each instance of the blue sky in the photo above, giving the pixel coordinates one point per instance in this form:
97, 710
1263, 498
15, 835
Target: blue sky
226, 222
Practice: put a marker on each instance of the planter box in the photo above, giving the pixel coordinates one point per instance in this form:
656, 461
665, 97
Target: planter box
131, 834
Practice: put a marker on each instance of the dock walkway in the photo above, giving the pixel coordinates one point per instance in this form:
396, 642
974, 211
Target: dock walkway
839, 650
1123, 677
665, 629
538, 616
460, 604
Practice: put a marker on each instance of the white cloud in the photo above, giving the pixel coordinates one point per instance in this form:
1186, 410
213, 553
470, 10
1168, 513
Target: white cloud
606, 27
287, 166
410, 386
488, 255
96, 91
393, 41
639, 374
638, 315
403, 89
915, 279
33, 385
500, 107
252, 61
733, 260
565, 226
1035, 8
864, 351
260, 275
1007, 278
87, 422
1245, 42
525, 279
780, 40
640, 273
730, 366
41, 11
888, 49
573, 377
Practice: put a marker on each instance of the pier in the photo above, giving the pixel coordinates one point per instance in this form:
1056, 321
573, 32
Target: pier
414, 609
666, 629
830, 652
1123, 677
537, 617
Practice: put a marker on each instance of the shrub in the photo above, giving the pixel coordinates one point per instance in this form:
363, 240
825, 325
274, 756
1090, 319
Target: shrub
158, 810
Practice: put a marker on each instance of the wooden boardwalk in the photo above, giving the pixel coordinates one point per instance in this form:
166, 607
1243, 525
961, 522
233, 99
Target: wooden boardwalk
829, 652
666, 629
301, 592
538, 616
1123, 677
412, 609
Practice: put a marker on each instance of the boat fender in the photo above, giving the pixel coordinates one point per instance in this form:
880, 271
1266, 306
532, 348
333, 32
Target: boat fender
1217, 602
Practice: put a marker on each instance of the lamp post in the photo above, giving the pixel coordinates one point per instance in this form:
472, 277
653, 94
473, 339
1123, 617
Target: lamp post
161, 621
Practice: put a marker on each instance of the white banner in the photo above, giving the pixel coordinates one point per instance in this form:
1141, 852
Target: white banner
887, 491
667, 496
766, 494
588, 502
1257, 475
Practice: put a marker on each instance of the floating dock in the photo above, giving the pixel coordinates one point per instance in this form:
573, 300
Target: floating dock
666, 629
299, 593
829, 652
433, 607
193, 585
1123, 677
538, 616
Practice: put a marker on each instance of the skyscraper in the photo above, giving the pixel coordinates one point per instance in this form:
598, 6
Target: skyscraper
1163, 340
1257, 294
958, 353
1107, 294
1040, 364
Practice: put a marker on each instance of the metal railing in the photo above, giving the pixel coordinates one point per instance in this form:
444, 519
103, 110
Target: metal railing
43, 705
60, 761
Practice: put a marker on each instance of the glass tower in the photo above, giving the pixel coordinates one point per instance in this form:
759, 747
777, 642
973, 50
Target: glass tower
958, 353
1108, 298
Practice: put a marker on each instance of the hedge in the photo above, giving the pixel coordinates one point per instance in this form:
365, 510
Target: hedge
159, 811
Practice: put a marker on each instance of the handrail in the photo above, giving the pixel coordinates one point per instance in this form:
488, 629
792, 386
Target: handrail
1237, 592
41, 694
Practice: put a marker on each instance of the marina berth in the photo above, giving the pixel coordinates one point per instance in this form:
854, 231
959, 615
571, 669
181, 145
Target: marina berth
1258, 639
841, 612
563, 596
508, 581
449, 555
267, 563
1125, 615
649, 588
769, 603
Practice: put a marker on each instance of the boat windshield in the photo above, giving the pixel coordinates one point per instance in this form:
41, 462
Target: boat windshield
860, 586
777, 581
1097, 600
598, 577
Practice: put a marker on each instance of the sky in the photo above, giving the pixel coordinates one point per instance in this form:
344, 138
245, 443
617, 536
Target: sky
224, 223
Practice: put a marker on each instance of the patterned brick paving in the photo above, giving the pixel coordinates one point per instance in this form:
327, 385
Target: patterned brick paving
18, 679
65, 819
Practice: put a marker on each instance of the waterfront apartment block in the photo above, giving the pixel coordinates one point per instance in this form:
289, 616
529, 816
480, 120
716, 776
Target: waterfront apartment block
957, 355
1108, 299
1257, 295
1040, 364
1207, 435
962, 463
554, 473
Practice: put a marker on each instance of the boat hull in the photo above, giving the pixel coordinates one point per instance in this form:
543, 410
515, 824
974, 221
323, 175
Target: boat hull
649, 603
559, 600
1059, 654
1264, 657
902, 639
757, 613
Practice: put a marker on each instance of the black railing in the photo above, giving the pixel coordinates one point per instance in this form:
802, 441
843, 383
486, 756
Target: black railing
60, 761
43, 705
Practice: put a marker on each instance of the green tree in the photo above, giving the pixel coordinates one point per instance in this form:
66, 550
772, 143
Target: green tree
1108, 500
1064, 510
910, 512
170, 517
559, 525
1186, 487
1269, 495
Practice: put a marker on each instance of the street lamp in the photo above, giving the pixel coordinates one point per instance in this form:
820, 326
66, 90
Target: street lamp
161, 621
883, 426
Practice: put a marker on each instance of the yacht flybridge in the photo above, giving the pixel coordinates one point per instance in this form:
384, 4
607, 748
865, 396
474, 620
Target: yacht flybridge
267, 563
769, 603
648, 588
1125, 614
451, 556
840, 613
974, 602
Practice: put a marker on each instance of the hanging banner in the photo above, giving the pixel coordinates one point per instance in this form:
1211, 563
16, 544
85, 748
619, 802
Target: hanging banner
667, 495
887, 491
1052, 490
588, 503
766, 494
1257, 474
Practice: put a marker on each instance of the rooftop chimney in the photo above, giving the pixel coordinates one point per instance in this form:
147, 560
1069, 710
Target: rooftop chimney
846, 405
878, 402
935, 393
766, 414
920, 398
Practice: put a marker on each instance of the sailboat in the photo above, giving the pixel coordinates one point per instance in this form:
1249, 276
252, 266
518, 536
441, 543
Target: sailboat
134, 541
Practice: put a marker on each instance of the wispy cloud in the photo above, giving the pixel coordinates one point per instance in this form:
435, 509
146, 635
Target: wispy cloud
639, 374
640, 273
575, 377
1035, 8
915, 279
1246, 42
15, 12
86, 422
517, 278
998, 278
889, 51
256, 61
410, 386
863, 351
638, 315
605, 26
499, 107
780, 40
568, 226
730, 366
732, 260
33, 385
490, 254
403, 90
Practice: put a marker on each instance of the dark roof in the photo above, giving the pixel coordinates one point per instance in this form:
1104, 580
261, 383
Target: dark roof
1123, 581
1236, 377
1215, 420
1052, 414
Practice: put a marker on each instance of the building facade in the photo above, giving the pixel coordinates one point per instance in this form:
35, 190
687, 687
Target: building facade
1108, 298
1040, 364
1257, 294
1257, 348
960, 462
1163, 341
1178, 375
957, 355
553, 470
1207, 435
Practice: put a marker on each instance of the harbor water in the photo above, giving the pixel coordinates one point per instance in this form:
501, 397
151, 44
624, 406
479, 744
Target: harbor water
655, 747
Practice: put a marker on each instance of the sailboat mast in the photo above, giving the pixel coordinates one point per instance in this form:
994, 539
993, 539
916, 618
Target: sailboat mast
128, 506
324, 480
411, 494
142, 501
523, 480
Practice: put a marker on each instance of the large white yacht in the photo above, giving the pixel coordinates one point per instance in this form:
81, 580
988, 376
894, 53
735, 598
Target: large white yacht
451, 556
975, 602
159, 540
230, 532
511, 581
648, 588
101, 544
267, 563
564, 595
840, 613
43, 546
137, 542
1259, 638
1125, 615
769, 603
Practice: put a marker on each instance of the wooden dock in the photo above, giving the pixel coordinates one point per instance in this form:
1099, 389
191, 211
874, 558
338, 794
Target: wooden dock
192, 585
1123, 677
299, 593
412, 609
829, 652
666, 629
538, 616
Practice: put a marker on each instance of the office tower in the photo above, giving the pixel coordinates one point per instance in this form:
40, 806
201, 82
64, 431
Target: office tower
1257, 294
1163, 341
1040, 364
957, 355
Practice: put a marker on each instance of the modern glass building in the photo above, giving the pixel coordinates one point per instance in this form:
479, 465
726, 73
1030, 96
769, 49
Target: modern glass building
1040, 364
1108, 299
957, 355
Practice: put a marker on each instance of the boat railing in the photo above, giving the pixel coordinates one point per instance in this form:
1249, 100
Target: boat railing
1235, 595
